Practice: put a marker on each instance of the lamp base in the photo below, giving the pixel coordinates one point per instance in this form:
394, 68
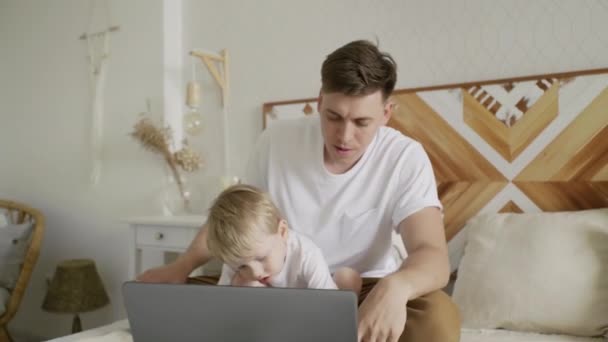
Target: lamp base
76, 324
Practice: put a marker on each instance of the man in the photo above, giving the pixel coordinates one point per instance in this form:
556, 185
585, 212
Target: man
346, 180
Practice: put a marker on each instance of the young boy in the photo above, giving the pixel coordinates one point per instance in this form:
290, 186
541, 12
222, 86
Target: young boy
247, 233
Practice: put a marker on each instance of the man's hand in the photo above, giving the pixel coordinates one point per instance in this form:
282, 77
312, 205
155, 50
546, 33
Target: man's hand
383, 313
171, 274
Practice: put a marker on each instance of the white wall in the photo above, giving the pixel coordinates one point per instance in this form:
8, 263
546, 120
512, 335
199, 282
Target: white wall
276, 50
44, 123
277, 47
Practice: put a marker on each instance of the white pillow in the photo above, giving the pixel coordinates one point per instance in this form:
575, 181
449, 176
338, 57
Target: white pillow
14, 240
4, 297
536, 272
3, 219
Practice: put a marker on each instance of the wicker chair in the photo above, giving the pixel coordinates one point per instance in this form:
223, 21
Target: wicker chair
20, 213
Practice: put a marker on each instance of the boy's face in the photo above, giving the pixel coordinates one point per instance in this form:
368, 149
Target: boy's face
349, 124
268, 258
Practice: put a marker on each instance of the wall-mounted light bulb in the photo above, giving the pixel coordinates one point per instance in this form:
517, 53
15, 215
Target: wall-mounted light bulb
193, 122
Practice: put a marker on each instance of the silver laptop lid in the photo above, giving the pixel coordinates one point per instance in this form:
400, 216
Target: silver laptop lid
188, 313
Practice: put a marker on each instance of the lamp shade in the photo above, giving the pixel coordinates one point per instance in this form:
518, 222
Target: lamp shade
76, 287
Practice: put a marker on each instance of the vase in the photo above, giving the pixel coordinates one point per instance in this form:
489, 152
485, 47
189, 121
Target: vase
197, 194
181, 198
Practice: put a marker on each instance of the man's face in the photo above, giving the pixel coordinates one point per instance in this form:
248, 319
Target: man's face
349, 124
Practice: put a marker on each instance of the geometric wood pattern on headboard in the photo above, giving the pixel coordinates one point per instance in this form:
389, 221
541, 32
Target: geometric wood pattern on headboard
466, 181
510, 135
572, 171
512, 145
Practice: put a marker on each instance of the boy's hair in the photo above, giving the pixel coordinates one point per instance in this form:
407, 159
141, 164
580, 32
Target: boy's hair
359, 68
237, 218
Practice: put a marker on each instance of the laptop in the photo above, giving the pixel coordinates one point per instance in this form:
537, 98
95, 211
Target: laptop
189, 312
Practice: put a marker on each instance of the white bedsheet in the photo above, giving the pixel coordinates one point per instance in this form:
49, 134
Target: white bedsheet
119, 332
115, 332
474, 335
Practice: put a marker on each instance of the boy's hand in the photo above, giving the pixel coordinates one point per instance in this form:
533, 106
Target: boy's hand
169, 274
239, 280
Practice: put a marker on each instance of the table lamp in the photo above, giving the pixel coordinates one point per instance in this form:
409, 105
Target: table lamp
76, 287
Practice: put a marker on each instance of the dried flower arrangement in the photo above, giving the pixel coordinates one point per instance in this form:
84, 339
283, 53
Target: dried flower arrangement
158, 140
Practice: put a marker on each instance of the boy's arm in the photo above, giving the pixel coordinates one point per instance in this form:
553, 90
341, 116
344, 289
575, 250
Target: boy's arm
227, 277
315, 271
178, 271
198, 253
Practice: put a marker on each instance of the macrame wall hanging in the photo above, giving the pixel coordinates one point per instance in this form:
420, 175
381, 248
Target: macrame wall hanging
98, 52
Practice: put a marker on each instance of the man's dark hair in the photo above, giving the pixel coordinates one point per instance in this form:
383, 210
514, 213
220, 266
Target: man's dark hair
359, 68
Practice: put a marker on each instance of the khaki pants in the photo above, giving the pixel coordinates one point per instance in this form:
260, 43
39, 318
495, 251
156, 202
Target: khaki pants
430, 318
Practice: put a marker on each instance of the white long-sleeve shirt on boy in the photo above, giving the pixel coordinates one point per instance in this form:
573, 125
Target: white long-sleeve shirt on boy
305, 266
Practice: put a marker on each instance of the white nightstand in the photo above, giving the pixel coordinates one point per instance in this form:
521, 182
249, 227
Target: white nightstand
154, 239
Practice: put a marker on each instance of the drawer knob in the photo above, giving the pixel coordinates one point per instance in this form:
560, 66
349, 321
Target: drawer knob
159, 236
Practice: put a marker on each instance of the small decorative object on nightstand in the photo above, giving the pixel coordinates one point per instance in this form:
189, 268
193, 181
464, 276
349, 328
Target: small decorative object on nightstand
76, 287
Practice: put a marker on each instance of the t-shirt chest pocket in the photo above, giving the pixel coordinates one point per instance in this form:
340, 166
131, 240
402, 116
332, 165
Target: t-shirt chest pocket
359, 229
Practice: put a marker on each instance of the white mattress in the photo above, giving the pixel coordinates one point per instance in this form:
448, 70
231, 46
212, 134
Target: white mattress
115, 332
473, 335
118, 332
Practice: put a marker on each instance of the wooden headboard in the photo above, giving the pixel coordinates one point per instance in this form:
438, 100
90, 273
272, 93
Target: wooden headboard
534, 143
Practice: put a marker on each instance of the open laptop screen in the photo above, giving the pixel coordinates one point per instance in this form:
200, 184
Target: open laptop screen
188, 313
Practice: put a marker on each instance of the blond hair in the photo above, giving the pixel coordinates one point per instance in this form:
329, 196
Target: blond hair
237, 219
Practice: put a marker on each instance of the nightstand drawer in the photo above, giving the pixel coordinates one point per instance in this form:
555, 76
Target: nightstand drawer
164, 236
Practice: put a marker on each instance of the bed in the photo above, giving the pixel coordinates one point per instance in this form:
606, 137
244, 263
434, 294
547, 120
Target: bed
118, 332
520, 163
555, 293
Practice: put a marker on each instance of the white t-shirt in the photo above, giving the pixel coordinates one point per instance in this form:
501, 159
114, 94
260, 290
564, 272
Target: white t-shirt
350, 216
304, 267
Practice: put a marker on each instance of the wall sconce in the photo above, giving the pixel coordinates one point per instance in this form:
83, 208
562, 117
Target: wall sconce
218, 67
193, 120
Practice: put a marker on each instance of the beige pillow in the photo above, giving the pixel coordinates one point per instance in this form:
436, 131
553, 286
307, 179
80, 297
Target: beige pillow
537, 272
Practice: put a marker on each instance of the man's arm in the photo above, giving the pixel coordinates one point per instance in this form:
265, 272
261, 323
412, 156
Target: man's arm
383, 313
178, 271
427, 266
420, 223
